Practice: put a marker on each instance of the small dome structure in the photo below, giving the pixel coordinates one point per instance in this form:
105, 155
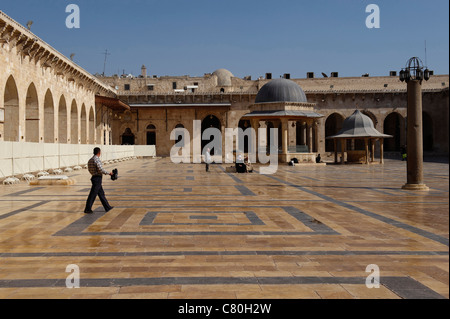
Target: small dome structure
223, 77
358, 125
281, 90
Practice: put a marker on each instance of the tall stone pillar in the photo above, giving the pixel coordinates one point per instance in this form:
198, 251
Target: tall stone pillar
415, 138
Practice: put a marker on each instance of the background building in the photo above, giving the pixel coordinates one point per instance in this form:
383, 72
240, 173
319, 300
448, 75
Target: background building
159, 104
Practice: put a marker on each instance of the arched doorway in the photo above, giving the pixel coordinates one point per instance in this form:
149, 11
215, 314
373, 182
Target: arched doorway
180, 133
210, 121
300, 136
32, 115
128, 137
428, 134
394, 125
49, 118
244, 125
91, 126
83, 125
74, 123
11, 103
151, 135
62, 120
333, 125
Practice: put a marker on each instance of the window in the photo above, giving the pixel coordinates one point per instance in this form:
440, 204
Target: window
127, 87
195, 83
174, 85
150, 87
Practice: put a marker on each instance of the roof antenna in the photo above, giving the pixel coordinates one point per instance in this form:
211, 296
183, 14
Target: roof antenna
426, 58
104, 65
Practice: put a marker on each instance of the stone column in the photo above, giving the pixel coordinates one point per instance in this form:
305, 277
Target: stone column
309, 137
343, 142
255, 126
285, 139
335, 151
372, 142
382, 151
316, 138
415, 138
366, 144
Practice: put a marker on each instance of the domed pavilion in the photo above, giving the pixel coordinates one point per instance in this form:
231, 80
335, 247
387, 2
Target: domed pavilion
282, 103
358, 138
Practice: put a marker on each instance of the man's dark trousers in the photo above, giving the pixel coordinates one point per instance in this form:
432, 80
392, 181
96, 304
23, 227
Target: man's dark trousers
97, 189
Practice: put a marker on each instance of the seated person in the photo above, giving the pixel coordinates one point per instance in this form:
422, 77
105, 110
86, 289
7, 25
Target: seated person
240, 165
318, 159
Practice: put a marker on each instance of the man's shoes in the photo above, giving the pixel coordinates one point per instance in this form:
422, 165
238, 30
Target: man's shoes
88, 212
111, 208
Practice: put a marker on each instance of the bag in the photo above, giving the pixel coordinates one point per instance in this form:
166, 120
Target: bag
115, 175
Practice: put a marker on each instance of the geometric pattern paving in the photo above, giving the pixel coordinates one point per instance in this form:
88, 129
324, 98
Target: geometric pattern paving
179, 232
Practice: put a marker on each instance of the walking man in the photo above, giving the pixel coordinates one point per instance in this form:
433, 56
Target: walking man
95, 167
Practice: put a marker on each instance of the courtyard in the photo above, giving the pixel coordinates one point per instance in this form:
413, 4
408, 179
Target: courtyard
179, 232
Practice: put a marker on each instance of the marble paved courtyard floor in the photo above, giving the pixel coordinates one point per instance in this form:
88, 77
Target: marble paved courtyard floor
179, 232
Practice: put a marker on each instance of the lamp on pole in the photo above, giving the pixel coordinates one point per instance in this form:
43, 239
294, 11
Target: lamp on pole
414, 74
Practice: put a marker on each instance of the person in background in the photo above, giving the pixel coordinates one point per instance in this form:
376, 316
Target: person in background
318, 159
97, 171
404, 153
208, 159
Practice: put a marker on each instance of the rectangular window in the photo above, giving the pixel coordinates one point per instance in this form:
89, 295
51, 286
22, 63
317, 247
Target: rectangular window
174, 85
127, 87
150, 87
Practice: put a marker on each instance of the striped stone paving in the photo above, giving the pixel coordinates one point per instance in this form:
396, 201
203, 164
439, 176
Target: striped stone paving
179, 232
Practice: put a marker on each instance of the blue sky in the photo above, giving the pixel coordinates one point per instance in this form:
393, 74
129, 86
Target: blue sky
248, 37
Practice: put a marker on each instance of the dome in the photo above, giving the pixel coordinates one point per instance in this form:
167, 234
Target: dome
223, 77
281, 90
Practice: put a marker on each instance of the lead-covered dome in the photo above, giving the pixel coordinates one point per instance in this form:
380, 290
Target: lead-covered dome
281, 90
223, 77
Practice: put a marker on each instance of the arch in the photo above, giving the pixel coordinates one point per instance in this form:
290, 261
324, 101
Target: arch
151, 134
244, 125
210, 121
300, 136
91, 126
83, 124
49, 118
11, 103
180, 135
333, 125
74, 123
428, 132
128, 137
32, 115
62, 120
394, 124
